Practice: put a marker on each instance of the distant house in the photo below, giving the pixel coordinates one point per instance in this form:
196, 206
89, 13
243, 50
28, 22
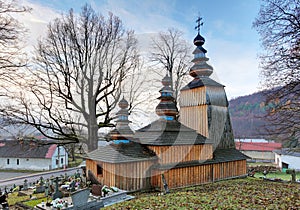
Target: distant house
259, 151
287, 158
27, 155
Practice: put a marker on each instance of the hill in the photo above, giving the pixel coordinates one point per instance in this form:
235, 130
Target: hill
247, 116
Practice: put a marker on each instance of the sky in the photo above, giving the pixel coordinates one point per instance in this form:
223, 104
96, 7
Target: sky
233, 45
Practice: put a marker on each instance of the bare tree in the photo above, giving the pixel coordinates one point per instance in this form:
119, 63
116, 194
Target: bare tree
278, 24
77, 81
11, 33
172, 53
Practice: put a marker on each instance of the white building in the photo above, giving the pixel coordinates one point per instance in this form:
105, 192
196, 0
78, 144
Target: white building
27, 155
287, 158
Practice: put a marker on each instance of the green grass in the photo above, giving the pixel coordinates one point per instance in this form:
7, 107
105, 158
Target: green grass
19, 171
248, 193
260, 164
33, 203
278, 175
78, 160
13, 198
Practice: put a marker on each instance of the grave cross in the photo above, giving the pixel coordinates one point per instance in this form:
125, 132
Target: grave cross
57, 193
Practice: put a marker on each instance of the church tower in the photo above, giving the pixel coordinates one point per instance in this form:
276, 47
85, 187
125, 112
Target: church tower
203, 101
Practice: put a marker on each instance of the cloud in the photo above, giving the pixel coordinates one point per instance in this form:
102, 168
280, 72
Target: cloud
36, 22
235, 65
234, 62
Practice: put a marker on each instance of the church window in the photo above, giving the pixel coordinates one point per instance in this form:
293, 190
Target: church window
99, 169
18, 161
7, 162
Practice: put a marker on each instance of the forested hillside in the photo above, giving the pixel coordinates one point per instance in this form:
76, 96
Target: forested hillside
247, 116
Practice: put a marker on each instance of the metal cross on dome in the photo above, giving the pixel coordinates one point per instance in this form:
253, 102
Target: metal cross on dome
199, 24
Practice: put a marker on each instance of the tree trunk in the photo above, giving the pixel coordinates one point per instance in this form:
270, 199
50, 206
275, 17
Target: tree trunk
92, 141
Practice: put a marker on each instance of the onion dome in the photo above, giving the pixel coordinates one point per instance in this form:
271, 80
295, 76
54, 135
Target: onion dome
166, 108
123, 104
199, 40
166, 81
200, 67
122, 131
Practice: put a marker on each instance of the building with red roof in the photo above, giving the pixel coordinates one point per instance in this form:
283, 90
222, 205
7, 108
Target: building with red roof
27, 155
259, 151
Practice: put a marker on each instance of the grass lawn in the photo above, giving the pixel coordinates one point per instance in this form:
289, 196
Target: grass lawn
248, 193
33, 203
278, 175
78, 160
13, 198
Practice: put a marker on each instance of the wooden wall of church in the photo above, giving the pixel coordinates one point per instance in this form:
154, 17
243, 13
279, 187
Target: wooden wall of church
193, 109
195, 175
193, 97
196, 118
182, 153
129, 176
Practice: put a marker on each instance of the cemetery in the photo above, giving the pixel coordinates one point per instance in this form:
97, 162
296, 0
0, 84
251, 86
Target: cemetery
63, 192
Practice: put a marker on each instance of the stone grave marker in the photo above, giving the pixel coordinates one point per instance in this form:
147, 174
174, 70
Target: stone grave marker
97, 190
25, 185
57, 193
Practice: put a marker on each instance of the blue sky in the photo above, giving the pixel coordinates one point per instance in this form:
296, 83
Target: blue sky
232, 44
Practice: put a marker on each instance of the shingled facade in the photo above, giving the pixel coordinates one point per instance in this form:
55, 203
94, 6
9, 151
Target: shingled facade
197, 149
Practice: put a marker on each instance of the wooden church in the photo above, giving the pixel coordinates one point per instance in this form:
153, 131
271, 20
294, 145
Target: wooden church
197, 149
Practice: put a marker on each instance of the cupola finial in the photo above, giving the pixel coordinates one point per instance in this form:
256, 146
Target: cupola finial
199, 24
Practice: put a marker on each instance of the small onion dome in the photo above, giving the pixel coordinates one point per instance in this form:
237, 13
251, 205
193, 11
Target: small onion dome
199, 40
166, 108
123, 104
201, 69
166, 81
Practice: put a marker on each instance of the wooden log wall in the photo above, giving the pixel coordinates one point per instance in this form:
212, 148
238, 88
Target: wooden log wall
193, 109
133, 176
182, 153
195, 175
229, 169
193, 97
196, 118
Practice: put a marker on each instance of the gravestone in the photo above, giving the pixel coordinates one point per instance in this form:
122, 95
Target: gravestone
47, 186
80, 197
77, 174
40, 189
97, 190
57, 193
25, 185
72, 186
80, 200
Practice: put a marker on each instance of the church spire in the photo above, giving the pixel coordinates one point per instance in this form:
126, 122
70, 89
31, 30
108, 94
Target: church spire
200, 67
166, 108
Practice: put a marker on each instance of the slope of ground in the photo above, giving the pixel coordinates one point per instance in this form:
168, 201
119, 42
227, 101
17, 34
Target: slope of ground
248, 193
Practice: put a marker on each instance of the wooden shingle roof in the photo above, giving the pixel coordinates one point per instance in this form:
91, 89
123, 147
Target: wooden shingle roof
25, 149
169, 132
122, 152
200, 82
219, 156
